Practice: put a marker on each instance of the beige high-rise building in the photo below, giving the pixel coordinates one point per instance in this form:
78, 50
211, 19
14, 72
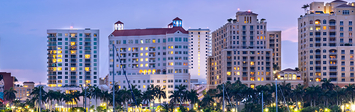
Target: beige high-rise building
244, 50
325, 43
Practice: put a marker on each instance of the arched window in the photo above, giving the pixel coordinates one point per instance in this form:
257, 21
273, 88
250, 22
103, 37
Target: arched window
311, 51
311, 22
324, 51
324, 21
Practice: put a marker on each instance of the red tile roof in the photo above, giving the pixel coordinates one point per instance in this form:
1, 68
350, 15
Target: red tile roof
148, 31
118, 22
171, 23
177, 18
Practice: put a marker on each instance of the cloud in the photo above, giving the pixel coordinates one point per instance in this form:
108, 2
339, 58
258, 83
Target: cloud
290, 34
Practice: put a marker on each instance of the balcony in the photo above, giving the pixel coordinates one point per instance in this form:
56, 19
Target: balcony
333, 70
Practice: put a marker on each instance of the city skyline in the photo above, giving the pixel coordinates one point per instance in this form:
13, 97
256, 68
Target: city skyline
25, 26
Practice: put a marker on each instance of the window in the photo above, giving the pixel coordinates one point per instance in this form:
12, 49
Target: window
345, 12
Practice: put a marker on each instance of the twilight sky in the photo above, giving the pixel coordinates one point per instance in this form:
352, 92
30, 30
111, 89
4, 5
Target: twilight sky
23, 25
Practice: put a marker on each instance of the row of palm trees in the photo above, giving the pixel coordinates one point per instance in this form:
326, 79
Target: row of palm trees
325, 95
123, 97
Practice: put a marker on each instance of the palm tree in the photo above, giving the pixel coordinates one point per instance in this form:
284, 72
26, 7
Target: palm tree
159, 93
350, 90
35, 94
297, 94
106, 97
10, 95
305, 7
96, 94
181, 91
50, 97
192, 97
148, 95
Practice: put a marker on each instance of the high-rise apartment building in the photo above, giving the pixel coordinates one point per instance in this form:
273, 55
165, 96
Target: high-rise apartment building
200, 49
151, 56
325, 43
73, 57
244, 50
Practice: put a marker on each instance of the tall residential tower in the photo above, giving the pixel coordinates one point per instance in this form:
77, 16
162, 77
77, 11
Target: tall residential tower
73, 57
244, 50
325, 43
200, 49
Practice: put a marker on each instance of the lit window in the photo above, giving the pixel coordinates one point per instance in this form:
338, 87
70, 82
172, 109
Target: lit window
72, 52
141, 54
146, 48
153, 41
59, 56
54, 60
228, 73
72, 68
146, 54
59, 60
146, 65
238, 73
258, 78
153, 71
54, 69
141, 65
72, 43
252, 86
141, 59
261, 37
143, 86
87, 69
59, 68
146, 59
59, 52
324, 27
251, 63
129, 49
310, 28
87, 56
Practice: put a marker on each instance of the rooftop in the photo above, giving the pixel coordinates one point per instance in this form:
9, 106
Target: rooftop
148, 31
246, 13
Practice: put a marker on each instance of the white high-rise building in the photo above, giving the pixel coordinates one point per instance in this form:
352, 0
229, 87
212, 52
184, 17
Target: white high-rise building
200, 49
73, 57
151, 56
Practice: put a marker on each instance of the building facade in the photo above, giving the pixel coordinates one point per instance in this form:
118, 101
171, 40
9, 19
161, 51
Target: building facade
243, 50
199, 42
291, 76
325, 43
151, 56
23, 91
73, 57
